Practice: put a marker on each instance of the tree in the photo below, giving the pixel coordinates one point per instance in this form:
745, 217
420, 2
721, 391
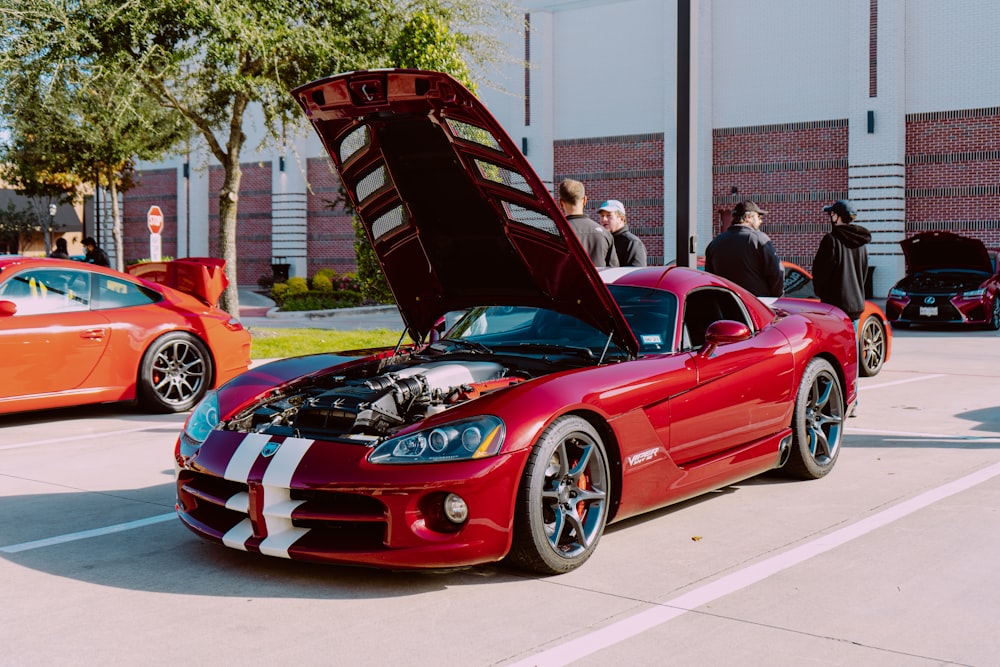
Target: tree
77, 121
14, 224
211, 60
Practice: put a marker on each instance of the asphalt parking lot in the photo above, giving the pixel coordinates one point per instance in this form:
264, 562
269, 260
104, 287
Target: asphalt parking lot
890, 560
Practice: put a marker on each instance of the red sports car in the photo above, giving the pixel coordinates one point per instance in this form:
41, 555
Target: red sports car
73, 333
563, 399
950, 279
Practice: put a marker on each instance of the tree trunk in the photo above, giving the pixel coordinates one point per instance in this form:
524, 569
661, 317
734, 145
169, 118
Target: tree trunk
228, 201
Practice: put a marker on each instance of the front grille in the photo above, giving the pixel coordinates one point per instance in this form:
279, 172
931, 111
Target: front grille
946, 312
340, 521
204, 497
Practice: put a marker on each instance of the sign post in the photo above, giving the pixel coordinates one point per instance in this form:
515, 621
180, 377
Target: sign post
154, 220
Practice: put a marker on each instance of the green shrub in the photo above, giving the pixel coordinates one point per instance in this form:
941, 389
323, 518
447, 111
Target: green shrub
327, 272
297, 285
322, 283
279, 291
321, 301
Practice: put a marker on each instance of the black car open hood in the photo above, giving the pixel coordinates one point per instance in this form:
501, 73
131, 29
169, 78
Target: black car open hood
944, 250
455, 214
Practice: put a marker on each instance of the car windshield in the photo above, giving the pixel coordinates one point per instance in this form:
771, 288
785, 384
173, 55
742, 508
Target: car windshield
651, 314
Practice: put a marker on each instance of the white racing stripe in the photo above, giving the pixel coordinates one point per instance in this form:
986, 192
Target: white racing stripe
278, 503
238, 468
623, 630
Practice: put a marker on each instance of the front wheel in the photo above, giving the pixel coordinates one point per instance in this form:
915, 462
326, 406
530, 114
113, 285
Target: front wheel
872, 343
175, 373
562, 502
817, 422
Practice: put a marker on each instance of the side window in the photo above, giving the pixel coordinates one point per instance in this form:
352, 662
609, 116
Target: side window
113, 292
41, 291
703, 307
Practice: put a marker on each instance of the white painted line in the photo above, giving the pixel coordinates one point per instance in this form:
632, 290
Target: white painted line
986, 439
620, 631
87, 436
921, 378
85, 534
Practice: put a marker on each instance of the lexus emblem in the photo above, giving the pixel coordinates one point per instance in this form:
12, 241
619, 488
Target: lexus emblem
928, 300
269, 449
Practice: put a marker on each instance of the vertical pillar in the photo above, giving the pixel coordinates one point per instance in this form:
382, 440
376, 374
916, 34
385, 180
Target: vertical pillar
289, 238
877, 131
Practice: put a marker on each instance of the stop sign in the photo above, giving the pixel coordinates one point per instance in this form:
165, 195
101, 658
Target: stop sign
154, 220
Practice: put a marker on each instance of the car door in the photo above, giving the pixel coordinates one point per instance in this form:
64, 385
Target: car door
742, 389
53, 341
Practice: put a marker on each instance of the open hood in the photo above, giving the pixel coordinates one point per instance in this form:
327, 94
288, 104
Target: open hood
454, 212
944, 250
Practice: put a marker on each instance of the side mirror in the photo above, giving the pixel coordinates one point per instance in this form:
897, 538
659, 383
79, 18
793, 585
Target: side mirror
7, 308
722, 332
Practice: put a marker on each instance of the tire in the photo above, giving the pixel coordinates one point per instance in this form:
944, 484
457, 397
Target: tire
175, 373
993, 324
563, 501
817, 423
871, 346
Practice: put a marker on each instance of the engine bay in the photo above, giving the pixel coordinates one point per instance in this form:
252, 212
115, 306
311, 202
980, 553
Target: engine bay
372, 402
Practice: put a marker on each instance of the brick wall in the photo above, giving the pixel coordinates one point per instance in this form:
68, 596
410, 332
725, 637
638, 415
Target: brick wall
791, 170
627, 168
331, 234
953, 173
154, 187
253, 220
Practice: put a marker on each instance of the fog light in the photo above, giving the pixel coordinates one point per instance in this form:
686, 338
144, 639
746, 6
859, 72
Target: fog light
455, 508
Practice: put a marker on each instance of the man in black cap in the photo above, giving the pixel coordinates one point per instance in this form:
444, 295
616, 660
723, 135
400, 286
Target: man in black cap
841, 263
745, 255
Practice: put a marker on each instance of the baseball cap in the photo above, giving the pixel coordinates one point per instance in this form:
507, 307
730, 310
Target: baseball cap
843, 208
747, 207
613, 205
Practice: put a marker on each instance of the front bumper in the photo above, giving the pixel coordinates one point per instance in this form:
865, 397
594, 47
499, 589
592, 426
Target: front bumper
322, 501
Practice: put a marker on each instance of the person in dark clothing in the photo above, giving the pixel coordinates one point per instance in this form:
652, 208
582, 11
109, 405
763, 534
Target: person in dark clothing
841, 263
95, 254
745, 255
596, 240
61, 251
630, 249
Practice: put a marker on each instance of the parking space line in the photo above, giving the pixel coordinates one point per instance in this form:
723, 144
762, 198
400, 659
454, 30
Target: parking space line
82, 436
85, 534
865, 387
620, 631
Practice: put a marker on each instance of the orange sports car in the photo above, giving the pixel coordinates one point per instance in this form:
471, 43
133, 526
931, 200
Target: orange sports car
73, 333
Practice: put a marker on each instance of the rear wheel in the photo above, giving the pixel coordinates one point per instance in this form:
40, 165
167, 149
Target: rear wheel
175, 373
872, 346
817, 422
563, 499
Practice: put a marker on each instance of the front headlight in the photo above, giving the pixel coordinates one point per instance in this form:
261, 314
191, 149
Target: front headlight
474, 438
974, 294
896, 293
202, 421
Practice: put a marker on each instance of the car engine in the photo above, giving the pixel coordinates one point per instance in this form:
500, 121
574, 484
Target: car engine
372, 408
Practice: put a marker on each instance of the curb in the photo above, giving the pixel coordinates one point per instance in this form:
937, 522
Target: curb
276, 313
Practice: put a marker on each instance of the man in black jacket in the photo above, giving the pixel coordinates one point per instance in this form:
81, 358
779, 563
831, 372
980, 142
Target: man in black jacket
841, 263
745, 255
630, 249
596, 240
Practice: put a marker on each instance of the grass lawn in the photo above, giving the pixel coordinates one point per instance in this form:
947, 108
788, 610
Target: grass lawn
280, 343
